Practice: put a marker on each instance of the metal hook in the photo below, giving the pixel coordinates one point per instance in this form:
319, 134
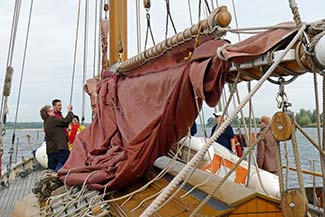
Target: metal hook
281, 98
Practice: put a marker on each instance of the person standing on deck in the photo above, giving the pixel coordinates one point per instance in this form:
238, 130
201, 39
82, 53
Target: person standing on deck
193, 129
55, 137
266, 152
227, 138
57, 107
74, 129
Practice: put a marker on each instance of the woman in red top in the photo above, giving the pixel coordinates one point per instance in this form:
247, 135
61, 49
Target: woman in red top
74, 128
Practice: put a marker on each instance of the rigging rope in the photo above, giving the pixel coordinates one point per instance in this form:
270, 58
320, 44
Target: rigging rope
95, 34
11, 151
217, 3
9, 68
286, 154
323, 143
297, 161
279, 165
120, 45
310, 139
322, 155
199, 11
84, 70
155, 204
190, 11
75, 54
99, 40
14, 27
236, 19
296, 16
207, 6
249, 132
7, 82
138, 25
148, 29
168, 15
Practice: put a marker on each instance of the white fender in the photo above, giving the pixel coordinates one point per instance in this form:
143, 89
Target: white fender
194, 144
41, 156
320, 51
270, 183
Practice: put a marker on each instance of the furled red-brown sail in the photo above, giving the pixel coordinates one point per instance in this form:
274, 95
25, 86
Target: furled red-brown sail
141, 115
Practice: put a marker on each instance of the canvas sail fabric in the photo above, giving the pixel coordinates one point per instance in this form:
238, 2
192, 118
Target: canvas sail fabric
139, 117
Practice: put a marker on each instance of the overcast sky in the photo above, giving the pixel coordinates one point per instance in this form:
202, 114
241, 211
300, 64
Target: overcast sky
49, 60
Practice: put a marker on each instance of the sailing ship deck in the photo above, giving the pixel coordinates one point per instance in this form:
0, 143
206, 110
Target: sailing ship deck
17, 190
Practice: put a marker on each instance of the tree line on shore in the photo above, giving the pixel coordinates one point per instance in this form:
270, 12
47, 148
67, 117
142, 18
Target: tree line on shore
305, 118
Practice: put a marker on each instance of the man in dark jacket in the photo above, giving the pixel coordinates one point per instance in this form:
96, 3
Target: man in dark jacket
55, 137
227, 138
57, 107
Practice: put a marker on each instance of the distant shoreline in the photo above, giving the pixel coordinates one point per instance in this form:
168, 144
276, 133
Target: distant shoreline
39, 126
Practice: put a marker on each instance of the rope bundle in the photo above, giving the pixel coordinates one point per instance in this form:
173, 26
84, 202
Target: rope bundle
8, 81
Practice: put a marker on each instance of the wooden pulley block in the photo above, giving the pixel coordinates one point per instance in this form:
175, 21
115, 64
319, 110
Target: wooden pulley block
147, 4
293, 203
106, 7
281, 126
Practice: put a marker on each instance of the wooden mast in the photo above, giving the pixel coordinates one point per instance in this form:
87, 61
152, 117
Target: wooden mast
118, 30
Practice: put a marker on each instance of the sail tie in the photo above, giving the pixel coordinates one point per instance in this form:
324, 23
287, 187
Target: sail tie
8, 81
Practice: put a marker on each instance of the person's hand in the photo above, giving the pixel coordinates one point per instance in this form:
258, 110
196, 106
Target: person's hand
70, 108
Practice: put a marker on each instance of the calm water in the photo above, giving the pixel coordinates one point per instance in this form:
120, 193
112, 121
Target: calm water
307, 152
23, 147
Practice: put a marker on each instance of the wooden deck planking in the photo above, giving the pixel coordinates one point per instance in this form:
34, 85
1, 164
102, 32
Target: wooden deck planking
17, 189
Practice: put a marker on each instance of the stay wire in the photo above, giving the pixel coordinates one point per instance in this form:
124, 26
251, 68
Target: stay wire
148, 30
75, 53
199, 11
100, 15
207, 5
120, 44
95, 38
20, 86
168, 15
138, 23
190, 11
11, 47
84, 71
13, 34
236, 19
